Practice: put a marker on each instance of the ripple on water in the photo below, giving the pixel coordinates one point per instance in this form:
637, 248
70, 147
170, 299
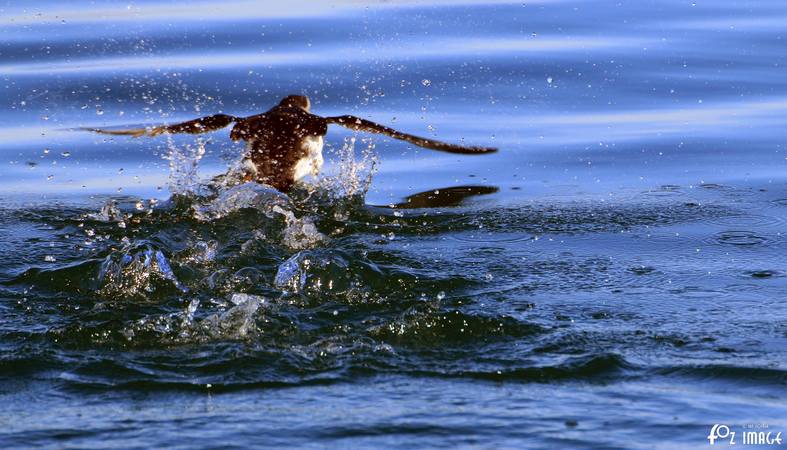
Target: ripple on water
641, 280
766, 273
596, 367
696, 292
490, 237
743, 220
740, 238
666, 190
428, 326
729, 191
641, 270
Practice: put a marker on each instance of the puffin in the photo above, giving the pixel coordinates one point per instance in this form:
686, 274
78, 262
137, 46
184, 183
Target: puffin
285, 143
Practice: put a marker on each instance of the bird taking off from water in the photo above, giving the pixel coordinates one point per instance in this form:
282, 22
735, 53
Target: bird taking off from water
285, 143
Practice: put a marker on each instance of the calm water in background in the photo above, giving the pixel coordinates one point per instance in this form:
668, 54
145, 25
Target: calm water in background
620, 284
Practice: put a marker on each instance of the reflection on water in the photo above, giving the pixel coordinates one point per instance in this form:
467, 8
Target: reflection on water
443, 197
623, 252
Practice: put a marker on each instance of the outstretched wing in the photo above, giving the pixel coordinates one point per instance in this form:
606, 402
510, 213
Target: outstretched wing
358, 124
196, 126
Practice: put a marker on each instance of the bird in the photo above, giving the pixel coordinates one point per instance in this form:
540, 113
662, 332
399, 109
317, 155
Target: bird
285, 143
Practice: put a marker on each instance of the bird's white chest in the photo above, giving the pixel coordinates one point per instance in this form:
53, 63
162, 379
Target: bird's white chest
312, 162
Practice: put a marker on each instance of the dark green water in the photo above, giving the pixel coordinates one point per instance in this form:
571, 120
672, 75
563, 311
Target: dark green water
614, 277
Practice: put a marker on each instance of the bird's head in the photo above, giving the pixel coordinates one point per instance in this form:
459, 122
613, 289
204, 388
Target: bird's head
296, 101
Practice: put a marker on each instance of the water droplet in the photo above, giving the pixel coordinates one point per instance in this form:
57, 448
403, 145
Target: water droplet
99, 112
426, 82
139, 206
49, 177
66, 154
49, 258
440, 295
549, 80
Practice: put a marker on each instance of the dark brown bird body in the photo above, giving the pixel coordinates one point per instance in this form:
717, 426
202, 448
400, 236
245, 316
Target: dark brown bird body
285, 143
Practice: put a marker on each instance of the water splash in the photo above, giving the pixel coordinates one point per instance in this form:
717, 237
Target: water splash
248, 195
299, 233
108, 213
355, 173
237, 322
318, 273
136, 272
183, 165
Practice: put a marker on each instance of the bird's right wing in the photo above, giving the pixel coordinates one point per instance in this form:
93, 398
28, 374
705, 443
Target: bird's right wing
196, 126
358, 124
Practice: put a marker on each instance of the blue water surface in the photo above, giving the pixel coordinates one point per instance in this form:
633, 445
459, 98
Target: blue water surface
613, 277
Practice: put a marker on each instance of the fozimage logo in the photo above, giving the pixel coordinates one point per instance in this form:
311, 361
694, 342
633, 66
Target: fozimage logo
752, 434
719, 431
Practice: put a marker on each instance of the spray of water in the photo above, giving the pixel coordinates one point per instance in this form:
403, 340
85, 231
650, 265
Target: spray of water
142, 267
355, 172
183, 165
